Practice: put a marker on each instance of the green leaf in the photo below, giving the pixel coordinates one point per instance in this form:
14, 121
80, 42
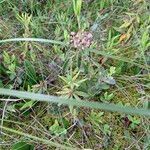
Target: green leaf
22, 146
73, 102
112, 70
30, 71
57, 129
78, 6
80, 93
1, 83
27, 105
96, 118
32, 40
105, 86
107, 129
6, 57
65, 65
109, 80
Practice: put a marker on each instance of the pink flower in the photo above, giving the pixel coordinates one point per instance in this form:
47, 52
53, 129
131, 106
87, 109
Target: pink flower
81, 39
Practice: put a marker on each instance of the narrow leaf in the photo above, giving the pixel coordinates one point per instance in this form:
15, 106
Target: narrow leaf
73, 102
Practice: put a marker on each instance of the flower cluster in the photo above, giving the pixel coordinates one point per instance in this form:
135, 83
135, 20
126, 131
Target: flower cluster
81, 39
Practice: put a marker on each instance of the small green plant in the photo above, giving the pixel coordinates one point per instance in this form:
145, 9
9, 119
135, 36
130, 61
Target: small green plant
25, 20
108, 78
96, 118
107, 97
71, 86
97, 121
10, 64
27, 105
112, 71
71, 89
57, 130
134, 121
107, 129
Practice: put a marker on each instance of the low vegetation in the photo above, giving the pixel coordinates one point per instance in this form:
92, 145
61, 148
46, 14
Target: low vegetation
74, 74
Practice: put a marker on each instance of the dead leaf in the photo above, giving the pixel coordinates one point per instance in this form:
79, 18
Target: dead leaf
122, 37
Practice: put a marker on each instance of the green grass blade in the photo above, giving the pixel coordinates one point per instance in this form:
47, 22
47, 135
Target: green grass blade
2, 1
118, 58
47, 142
32, 40
73, 102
